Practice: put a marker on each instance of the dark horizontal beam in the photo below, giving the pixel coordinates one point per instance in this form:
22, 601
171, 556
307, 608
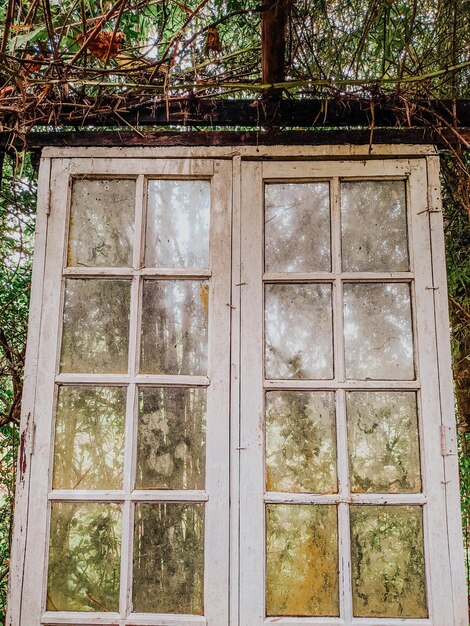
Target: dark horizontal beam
299, 113
37, 140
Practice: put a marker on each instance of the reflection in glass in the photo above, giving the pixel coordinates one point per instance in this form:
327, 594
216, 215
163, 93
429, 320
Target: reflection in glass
388, 561
101, 223
169, 558
300, 442
84, 557
174, 327
89, 438
95, 338
302, 560
383, 442
378, 332
171, 439
373, 226
177, 233
297, 227
299, 334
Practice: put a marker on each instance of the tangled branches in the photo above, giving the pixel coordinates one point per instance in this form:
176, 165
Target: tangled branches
63, 62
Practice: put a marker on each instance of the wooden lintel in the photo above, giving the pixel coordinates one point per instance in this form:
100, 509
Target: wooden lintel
37, 140
277, 113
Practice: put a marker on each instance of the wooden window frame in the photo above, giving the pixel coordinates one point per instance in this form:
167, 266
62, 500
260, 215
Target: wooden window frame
238, 303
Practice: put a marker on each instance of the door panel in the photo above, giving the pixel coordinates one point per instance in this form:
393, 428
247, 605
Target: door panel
341, 472
133, 406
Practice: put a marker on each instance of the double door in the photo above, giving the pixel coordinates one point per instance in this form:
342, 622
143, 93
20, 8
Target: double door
236, 397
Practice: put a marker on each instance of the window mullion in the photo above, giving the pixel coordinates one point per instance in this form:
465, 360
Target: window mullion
125, 593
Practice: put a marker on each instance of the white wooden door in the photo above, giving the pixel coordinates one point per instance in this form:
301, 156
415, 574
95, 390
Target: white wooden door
238, 403
128, 508
343, 482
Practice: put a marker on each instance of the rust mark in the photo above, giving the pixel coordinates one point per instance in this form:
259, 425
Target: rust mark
22, 452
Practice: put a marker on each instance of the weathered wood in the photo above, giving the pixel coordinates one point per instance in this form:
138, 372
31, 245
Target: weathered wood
416, 136
273, 41
305, 113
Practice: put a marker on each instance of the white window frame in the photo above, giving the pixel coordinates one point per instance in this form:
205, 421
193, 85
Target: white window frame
253, 387
236, 321
215, 496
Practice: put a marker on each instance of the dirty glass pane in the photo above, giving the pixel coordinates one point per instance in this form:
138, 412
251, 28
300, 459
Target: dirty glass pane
388, 561
300, 442
101, 223
373, 226
84, 557
383, 442
177, 233
174, 327
171, 439
169, 558
299, 334
95, 337
302, 560
89, 438
378, 332
297, 227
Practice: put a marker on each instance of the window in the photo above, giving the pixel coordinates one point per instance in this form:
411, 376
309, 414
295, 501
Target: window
238, 406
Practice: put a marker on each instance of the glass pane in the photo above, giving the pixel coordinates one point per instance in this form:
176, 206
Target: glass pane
89, 438
177, 232
102, 223
297, 227
95, 337
302, 560
373, 226
174, 327
169, 558
383, 442
299, 333
388, 561
378, 332
171, 439
300, 442
84, 557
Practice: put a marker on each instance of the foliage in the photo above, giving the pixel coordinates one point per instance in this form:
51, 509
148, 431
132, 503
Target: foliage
17, 205
456, 199
8, 452
64, 61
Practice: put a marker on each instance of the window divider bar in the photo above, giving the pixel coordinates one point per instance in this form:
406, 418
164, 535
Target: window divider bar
306, 385
125, 591
275, 497
344, 545
343, 509
92, 379
147, 619
164, 380
331, 277
112, 619
301, 621
136, 495
146, 272
336, 621
169, 495
140, 218
175, 273
139, 379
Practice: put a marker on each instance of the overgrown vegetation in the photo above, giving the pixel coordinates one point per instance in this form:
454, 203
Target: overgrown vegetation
68, 62
457, 229
17, 213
